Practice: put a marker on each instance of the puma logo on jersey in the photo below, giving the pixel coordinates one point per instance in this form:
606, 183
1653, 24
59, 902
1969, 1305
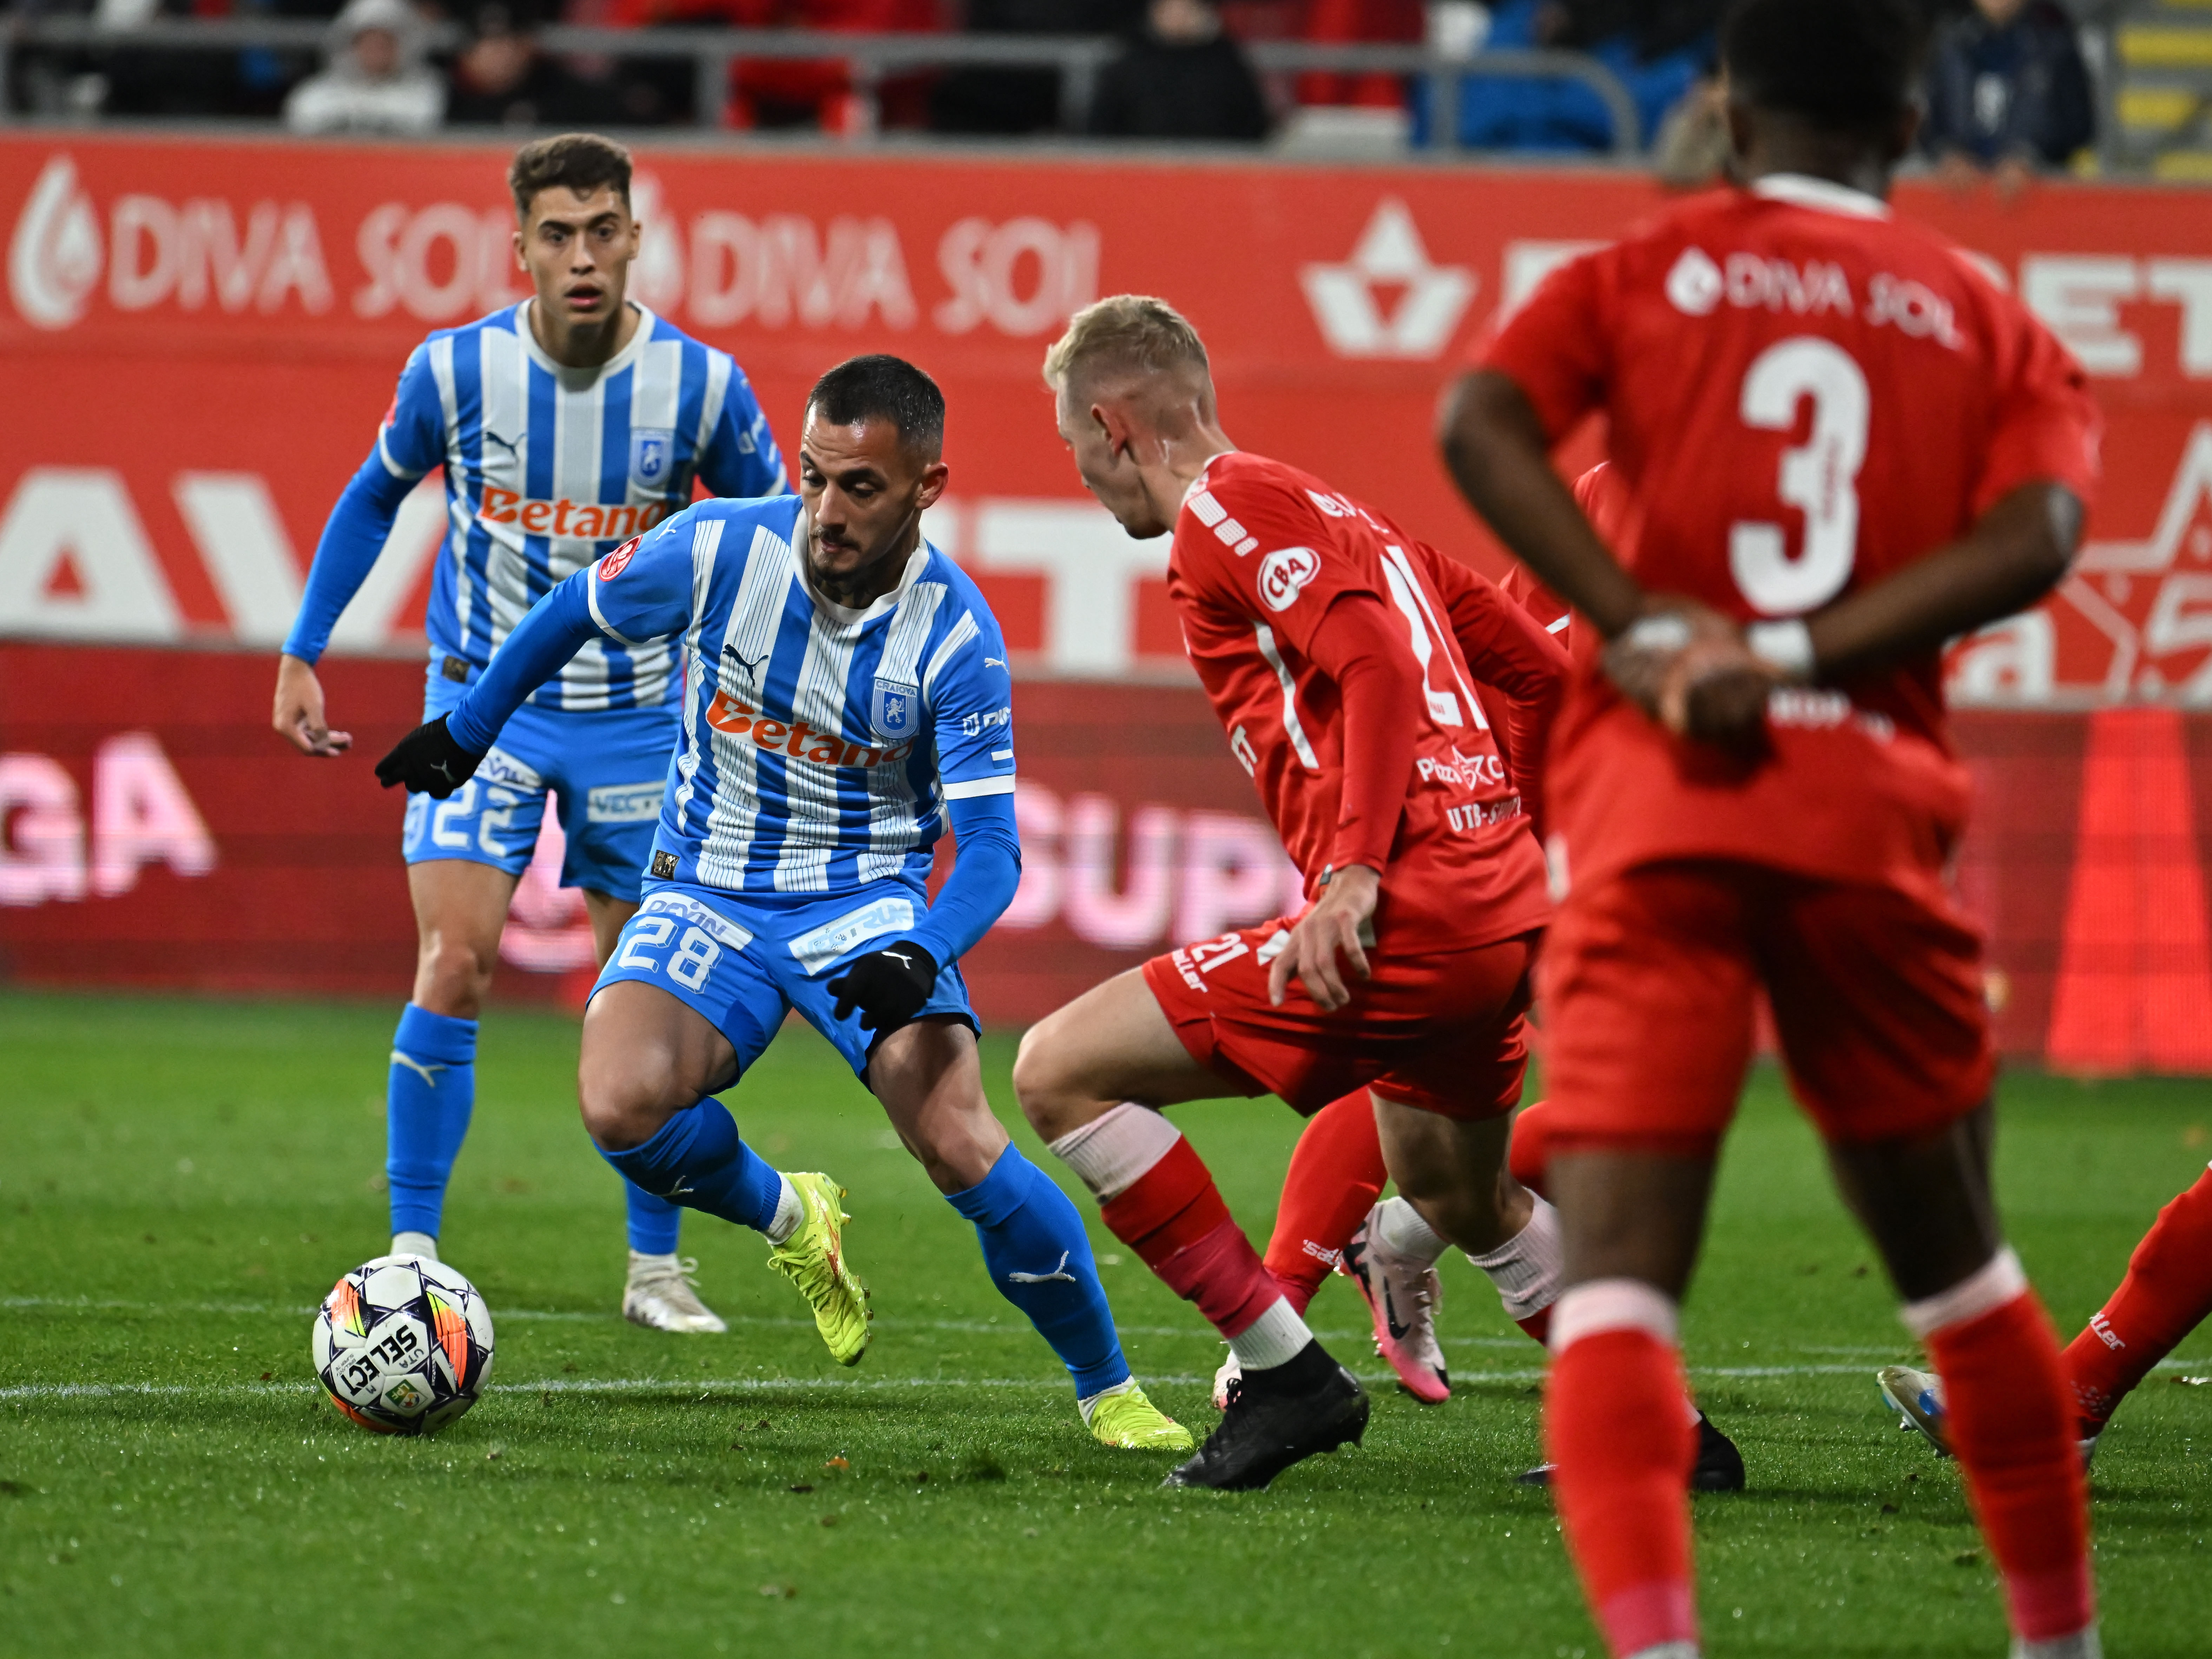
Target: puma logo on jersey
750, 666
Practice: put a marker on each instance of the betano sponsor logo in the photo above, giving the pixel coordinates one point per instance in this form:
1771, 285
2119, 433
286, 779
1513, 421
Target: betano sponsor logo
589, 521
796, 739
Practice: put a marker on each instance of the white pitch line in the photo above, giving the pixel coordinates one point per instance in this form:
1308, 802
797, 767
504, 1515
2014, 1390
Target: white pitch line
705, 1389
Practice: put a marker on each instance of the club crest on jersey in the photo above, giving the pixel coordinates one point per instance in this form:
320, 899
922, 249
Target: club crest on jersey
1284, 574
652, 455
895, 710
618, 560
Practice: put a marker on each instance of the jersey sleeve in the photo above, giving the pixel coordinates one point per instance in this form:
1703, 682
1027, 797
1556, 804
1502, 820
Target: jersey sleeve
412, 439
1267, 552
1557, 348
969, 695
740, 458
2047, 424
642, 590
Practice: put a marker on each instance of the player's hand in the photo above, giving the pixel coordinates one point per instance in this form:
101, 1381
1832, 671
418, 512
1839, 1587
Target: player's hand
1689, 667
299, 713
1330, 929
888, 986
429, 761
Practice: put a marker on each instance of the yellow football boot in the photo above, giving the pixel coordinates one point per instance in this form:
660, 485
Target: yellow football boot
1126, 1421
813, 1259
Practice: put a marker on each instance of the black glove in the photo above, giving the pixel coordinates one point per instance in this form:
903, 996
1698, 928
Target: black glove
887, 986
429, 761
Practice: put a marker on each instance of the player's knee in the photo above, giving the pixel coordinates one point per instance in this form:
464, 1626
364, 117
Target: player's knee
452, 978
1042, 1079
626, 1099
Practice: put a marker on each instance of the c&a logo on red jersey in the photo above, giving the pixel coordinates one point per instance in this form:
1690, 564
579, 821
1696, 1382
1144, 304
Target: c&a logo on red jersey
1284, 573
618, 560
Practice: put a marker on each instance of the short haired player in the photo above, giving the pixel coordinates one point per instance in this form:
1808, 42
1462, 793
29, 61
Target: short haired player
1342, 656
847, 702
565, 425
1847, 446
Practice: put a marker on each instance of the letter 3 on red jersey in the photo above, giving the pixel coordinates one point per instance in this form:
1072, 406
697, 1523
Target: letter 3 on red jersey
1261, 550
1804, 396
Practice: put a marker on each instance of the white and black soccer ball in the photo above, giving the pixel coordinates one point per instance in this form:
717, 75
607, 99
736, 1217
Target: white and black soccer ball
403, 1344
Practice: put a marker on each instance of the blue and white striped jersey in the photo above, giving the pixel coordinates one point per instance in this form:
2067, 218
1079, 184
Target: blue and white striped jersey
547, 467
819, 743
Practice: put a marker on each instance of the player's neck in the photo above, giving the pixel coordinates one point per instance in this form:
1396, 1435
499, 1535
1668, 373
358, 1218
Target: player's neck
1797, 147
583, 345
863, 587
1180, 460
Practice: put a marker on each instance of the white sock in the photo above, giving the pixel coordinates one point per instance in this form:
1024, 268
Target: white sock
1401, 1229
789, 1213
420, 1244
2083, 1644
1525, 1268
1112, 1152
1275, 1338
639, 1261
1669, 1651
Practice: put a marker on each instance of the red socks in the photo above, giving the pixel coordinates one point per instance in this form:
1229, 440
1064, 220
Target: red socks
2005, 1394
2167, 1292
1529, 1153
1336, 1174
1614, 1427
1172, 1215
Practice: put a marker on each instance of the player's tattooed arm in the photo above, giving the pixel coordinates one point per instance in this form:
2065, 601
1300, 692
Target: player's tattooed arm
1498, 454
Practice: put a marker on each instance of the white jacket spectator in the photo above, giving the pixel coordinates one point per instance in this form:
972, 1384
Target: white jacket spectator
376, 81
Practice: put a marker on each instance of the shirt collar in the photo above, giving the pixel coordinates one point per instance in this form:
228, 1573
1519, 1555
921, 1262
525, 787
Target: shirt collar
843, 615
1821, 195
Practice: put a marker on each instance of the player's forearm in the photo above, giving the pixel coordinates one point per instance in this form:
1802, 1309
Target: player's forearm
353, 537
986, 868
1381, 693
1497, 453
542, 642
2016, 554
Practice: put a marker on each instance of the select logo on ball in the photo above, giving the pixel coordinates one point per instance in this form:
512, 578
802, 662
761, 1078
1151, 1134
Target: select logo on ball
403, 1345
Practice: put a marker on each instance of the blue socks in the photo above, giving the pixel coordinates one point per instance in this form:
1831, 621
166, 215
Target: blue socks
1039, 1257
653, 1222
427, 1102
698, 1160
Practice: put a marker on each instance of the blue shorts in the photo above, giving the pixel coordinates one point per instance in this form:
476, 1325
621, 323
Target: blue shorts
743, 963
609, 767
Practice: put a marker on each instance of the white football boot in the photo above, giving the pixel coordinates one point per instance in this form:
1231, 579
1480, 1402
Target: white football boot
662, 1296
1225, 1381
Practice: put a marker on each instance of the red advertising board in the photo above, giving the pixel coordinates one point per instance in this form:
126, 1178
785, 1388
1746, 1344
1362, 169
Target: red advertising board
201, 336
213, 327
154, 831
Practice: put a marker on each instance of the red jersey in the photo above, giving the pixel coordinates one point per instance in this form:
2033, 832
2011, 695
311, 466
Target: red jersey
1804, 396
1605, 502
1285, 587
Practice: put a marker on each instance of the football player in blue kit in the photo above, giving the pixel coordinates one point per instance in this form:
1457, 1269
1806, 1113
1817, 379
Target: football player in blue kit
845, 702
565, 425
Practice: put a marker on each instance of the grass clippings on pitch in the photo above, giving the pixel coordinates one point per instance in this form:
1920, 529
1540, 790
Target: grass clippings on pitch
182, 1180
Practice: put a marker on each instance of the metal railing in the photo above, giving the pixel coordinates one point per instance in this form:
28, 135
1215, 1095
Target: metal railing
871, 59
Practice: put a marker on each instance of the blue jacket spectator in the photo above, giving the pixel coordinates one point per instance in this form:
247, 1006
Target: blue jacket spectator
1657, 63
2008, 85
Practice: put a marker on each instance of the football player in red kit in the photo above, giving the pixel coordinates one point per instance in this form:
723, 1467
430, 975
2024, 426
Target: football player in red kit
1342, 656
2166, 1294
1847, 445
1329, 1219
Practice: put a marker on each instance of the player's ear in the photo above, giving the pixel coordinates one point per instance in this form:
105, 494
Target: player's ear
934, 477
520, 263
1113, 421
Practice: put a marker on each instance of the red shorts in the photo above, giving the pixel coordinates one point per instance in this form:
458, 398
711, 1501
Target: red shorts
1650, 981
1445, 1033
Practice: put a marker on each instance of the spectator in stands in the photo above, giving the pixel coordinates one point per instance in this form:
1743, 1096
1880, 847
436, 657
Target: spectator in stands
784, 92
1021, 100
1181, 76
376, 80
2008, 94
502, 79
1658, 50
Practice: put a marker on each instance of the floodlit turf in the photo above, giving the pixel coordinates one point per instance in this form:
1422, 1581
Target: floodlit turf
180, 1182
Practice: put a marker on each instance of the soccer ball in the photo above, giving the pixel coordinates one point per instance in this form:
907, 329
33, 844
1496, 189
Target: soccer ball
403, 1344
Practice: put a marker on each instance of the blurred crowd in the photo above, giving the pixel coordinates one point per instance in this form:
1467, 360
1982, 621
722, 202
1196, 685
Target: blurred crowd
2008, 93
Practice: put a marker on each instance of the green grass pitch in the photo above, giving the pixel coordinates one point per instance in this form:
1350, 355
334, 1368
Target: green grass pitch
180, 1182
